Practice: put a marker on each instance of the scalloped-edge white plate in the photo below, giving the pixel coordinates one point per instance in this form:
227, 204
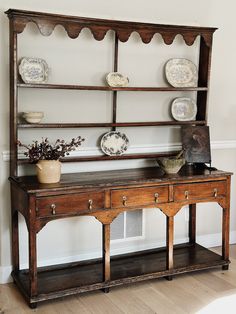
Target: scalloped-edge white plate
114, 143
116, 79
33, 70
181, 72
184, 109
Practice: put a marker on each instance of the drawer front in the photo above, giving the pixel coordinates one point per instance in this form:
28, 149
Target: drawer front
139, 196
70, 204
196, 191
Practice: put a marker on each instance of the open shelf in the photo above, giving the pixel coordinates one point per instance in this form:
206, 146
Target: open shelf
128, 268
106, 124
108, 88
105, 157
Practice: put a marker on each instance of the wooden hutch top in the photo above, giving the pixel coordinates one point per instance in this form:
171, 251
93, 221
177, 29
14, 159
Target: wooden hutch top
73, 25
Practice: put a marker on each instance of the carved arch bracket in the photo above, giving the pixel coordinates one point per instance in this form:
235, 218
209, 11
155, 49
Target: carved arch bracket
222, 203
107, 217
170, 209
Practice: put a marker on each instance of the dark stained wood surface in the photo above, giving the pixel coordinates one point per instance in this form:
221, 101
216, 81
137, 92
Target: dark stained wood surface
107, 124
108, 88
73, 25
192, 223
106, 157
91, 193
205, 190
64, 204
170, 242
132, 267
116, 178
13, 99
139, 196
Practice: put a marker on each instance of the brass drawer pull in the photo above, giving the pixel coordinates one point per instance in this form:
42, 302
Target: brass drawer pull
156, 197
186, 195
90, 202
53, 208
215, 192
124, 200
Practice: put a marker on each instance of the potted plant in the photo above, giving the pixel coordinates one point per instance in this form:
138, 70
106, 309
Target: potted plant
46, 156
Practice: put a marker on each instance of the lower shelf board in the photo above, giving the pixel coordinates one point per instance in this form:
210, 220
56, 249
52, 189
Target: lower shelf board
67, 279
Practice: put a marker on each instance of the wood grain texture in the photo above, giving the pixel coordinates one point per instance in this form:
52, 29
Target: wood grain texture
106, 230
139, 196
109, 88
129, 268
107, 124
70, 204
192, 223
73, 25
105, 195
170, 242
13, 99
117, 178
200, 190
105, 157
186, 294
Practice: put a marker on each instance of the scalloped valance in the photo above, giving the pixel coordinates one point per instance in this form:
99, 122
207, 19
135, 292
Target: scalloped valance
46, 22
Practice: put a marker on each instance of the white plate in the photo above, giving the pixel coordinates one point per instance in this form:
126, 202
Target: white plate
33, 70
115, 79
184, 109
114, 143
181, 73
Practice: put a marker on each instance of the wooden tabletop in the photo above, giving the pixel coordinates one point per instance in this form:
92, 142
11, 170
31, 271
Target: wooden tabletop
116, 178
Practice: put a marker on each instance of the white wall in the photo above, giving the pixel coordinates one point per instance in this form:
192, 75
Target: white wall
87, 61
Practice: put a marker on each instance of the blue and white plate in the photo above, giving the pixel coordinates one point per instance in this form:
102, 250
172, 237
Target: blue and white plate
33, 70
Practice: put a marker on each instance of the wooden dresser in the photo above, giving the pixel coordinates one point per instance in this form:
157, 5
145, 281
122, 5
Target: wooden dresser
106, 194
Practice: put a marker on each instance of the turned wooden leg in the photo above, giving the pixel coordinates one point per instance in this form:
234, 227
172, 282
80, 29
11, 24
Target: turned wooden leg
15, 242
192, 223
33, 263
169, 244
106, 254
225, 236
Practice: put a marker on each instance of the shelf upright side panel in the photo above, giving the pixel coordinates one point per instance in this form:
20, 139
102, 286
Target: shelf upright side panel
204, 76
13, 99
114, 100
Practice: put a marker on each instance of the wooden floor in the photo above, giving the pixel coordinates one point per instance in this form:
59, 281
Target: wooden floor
211, 292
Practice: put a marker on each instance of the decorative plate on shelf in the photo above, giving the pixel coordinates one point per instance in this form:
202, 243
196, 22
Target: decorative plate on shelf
33, 70
184, 109
181, 73
115, 79
114, 143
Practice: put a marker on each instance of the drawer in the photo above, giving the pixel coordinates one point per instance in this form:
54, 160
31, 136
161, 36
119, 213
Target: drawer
139, 196
196, 191
69, 204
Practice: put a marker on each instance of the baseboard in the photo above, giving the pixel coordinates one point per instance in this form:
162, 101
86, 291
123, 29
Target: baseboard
5, 274
209, 240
